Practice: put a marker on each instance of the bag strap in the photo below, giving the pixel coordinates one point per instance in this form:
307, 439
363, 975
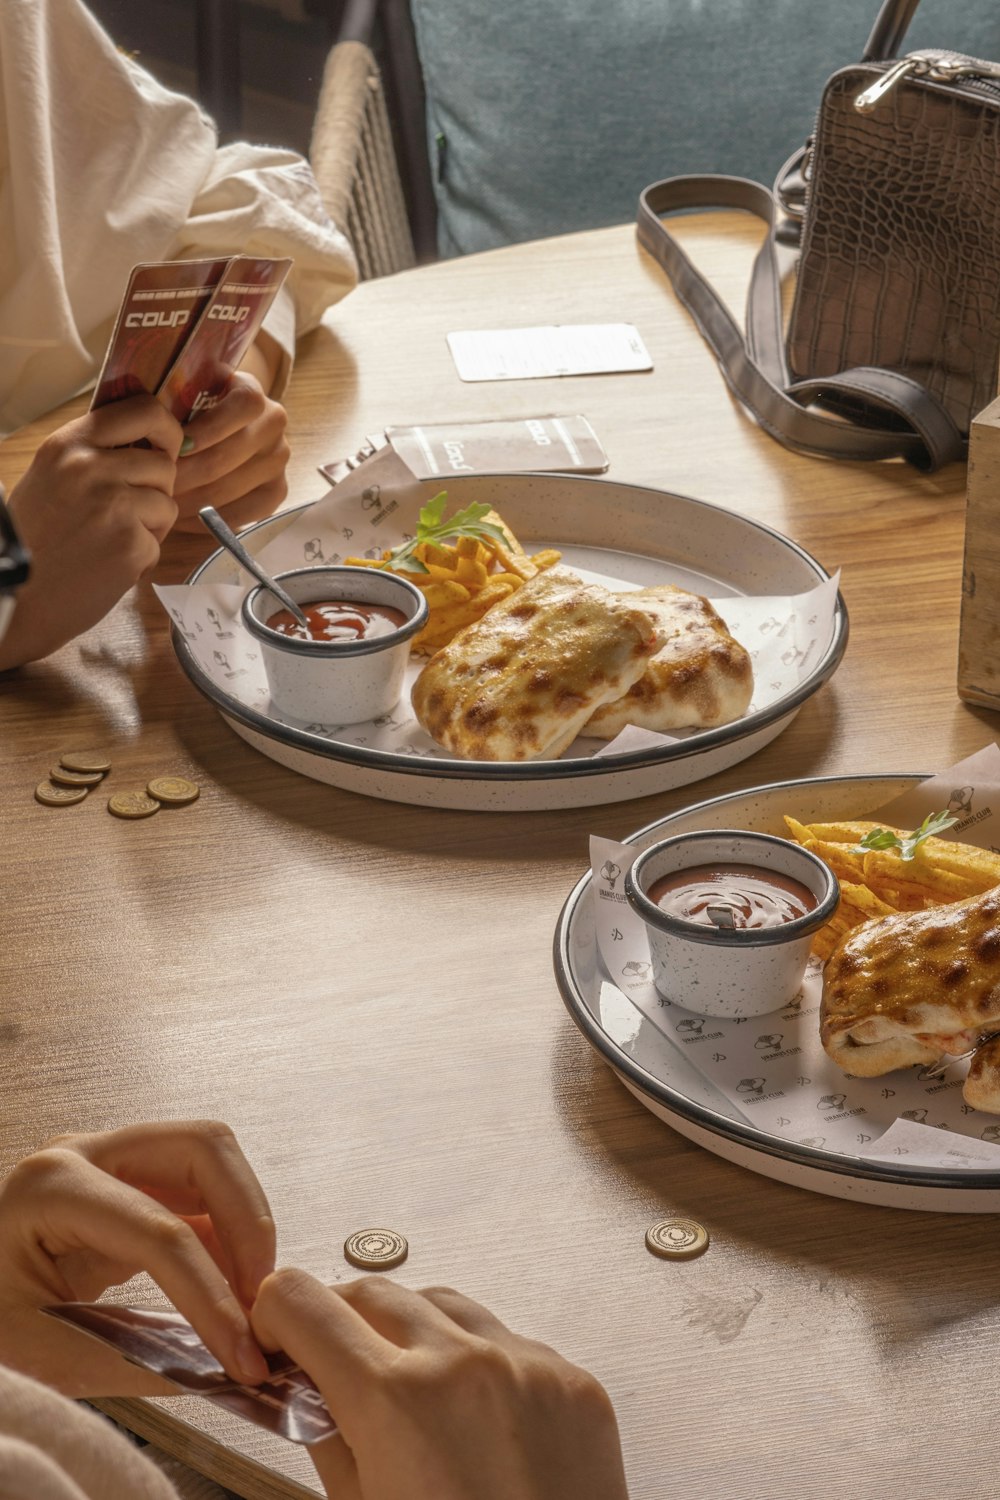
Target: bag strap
753, 365
891, 25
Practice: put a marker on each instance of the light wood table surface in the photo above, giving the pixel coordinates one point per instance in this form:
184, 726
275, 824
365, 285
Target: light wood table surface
364, 990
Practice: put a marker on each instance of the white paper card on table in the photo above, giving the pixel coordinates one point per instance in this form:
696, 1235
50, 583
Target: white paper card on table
560, 349
358, 518
772, 1069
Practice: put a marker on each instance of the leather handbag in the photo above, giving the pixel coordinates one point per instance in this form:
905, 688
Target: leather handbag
893, 341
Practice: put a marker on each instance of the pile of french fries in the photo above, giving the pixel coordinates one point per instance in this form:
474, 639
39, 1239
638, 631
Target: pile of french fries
878, 882
464, 579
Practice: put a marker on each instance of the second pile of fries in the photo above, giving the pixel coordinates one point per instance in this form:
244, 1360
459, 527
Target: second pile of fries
878, 882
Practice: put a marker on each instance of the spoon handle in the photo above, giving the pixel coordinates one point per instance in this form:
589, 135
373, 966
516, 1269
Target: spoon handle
210, 518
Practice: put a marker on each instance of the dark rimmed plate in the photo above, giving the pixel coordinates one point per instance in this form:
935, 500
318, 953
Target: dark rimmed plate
668, 1084
631, 532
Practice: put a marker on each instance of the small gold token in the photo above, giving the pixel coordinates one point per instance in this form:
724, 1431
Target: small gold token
375, 1249
132, 805
175, 791
677, 1239
75, 778
59, 796
85, 760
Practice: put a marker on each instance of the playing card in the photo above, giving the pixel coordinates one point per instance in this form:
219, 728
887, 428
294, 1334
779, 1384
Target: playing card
163, 1342
530, 444
226, 329
532, 353
162, 304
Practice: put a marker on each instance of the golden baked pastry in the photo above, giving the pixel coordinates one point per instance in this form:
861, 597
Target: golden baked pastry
521, 682
916, 987
699, 678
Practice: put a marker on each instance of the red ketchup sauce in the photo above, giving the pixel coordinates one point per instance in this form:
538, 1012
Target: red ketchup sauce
339, 620
738, 896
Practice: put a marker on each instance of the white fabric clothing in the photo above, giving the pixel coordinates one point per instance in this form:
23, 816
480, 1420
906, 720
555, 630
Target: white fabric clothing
102, 168
54, 1449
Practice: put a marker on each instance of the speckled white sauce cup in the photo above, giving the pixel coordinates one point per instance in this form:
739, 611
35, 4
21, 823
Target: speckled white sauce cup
729, 971
335, 682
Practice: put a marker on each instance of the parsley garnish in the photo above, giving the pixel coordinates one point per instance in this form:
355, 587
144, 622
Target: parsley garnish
431, 527
884, 838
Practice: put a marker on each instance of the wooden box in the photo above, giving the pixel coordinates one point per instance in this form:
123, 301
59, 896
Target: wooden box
979, 634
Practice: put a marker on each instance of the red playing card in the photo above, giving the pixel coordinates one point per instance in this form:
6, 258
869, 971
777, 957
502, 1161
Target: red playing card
161, 1341
160, 310
225, 331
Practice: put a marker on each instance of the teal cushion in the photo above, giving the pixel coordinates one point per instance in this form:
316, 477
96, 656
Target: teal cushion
546, 116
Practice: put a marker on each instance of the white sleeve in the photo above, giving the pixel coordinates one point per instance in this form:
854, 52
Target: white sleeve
262, 200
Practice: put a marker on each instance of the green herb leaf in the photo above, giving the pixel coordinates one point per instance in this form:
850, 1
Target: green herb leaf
432, 527
884, 838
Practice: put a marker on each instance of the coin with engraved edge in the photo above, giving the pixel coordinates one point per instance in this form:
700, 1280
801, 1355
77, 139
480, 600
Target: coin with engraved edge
174, 790
132, 805
75, 778
84, 760
375, 1249
59, 796
677, 1239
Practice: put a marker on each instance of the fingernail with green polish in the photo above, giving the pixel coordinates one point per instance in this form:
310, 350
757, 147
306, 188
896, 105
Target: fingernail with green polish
187, 446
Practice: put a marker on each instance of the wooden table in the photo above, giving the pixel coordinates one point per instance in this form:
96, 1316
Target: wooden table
364, 989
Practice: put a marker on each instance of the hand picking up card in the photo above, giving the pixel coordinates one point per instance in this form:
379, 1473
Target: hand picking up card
772, 1070
164, 1343
183, 327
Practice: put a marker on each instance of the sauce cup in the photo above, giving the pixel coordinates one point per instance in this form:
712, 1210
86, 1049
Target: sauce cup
699, 960
336, 681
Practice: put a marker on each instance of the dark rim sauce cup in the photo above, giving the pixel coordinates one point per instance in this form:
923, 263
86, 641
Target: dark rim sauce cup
336, 682
720, 971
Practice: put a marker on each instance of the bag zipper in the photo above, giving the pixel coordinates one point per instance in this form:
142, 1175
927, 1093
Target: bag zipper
939, 67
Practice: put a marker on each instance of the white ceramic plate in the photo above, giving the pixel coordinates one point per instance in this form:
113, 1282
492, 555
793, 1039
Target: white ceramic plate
667, 1083
629, 532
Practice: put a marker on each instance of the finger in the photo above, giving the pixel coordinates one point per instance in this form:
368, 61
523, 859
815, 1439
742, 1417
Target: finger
196, 1167
335, 1466
79, 1207
250, 504
242, 404
154, 511
404, 1317
261, 439
146, 468
129, 422
331, 1341
472, 1316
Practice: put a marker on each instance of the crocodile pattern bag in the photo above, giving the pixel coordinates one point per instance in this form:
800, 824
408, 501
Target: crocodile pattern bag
899, 264
893, 343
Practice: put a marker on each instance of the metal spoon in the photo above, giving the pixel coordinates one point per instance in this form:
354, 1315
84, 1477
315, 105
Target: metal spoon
210, 517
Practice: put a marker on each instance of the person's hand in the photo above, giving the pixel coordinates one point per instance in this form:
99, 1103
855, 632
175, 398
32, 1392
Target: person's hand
86, 1212
238, 457
93, 512
435, 1399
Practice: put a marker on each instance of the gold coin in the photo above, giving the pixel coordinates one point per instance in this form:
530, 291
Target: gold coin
375, 1249
677, 1239
132, 805
59, 796
85, 760
75, 778
175, 791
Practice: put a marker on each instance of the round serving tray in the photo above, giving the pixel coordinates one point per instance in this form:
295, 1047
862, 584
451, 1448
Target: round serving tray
667, 1083
628, 532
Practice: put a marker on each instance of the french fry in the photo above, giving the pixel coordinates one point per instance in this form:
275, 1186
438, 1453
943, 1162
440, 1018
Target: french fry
464, 578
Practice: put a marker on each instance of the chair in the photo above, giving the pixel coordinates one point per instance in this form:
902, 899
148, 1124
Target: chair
354, 162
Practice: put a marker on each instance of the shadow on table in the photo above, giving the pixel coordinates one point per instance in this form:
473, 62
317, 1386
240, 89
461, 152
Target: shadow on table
885, 1264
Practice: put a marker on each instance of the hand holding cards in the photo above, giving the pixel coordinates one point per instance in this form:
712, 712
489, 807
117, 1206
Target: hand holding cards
183, 327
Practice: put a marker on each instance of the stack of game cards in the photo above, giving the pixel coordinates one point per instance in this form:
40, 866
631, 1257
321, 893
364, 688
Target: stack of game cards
183, 327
